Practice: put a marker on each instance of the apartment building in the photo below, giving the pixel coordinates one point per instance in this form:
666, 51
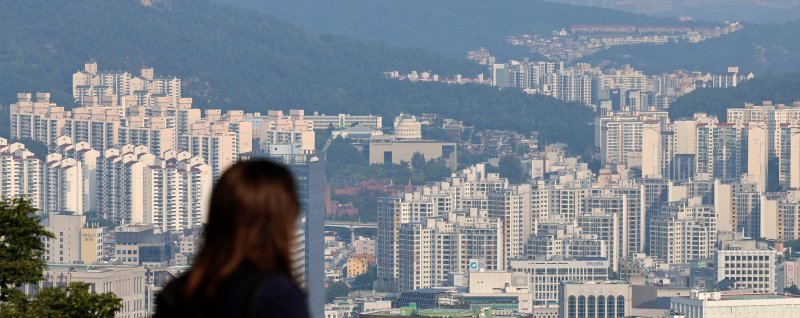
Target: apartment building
685, 230
20, 173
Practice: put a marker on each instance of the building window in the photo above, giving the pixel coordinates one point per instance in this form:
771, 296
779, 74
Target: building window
571, 307
601, 307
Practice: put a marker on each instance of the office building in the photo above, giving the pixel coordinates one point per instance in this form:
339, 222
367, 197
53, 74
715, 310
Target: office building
65, 246
322, 121
594, 299
748, 264
546, 276
126, 282
407, 127
388, 150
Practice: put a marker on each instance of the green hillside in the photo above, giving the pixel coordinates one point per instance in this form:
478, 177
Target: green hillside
769, 48
232, 58
450, 27
778, 89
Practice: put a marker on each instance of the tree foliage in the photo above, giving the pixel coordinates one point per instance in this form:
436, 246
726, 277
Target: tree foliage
336, 289
365, 281
22, 262
762, 49
21, 247
446, 26
716, 101
72, 301
418, 161
511, 168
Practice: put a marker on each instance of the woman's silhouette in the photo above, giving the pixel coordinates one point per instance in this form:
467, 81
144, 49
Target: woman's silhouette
245, 267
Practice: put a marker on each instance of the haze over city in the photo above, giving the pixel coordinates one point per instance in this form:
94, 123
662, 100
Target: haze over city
451, 158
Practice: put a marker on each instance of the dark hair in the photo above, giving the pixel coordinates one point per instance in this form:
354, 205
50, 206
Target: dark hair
251, 220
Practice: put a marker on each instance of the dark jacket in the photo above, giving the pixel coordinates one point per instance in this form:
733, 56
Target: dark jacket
245, 293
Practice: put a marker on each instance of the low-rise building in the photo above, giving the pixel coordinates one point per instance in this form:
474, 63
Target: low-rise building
387, 149
126, 282
594, 299
717, 305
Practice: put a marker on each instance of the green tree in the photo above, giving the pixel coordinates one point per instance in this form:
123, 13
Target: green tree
511, 168
336, 289
72, 301
365, 281
418, 161
341, 152
792, 290
22, 262
21, 247
436, 170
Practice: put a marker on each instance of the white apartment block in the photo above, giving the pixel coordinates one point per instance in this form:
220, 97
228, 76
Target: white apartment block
683, 231
86, 158
220, 140
169, 191
109, 89
177, 189
36, 119
619, 137
277, 129
789, 216
564, 240
120, 185
435, 248
465, 190
772, 116
63, 185
626, 79
20, 173
155, 133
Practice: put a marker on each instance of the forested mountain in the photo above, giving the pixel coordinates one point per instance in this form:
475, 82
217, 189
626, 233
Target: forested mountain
734, 11
233, 58
768, 48
450, 27
778, 89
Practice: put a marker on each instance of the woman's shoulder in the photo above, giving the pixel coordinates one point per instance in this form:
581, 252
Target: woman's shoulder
280, 294
276, 287
170, 299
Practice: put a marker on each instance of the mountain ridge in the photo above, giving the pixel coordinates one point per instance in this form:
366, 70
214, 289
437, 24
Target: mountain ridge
230, 58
